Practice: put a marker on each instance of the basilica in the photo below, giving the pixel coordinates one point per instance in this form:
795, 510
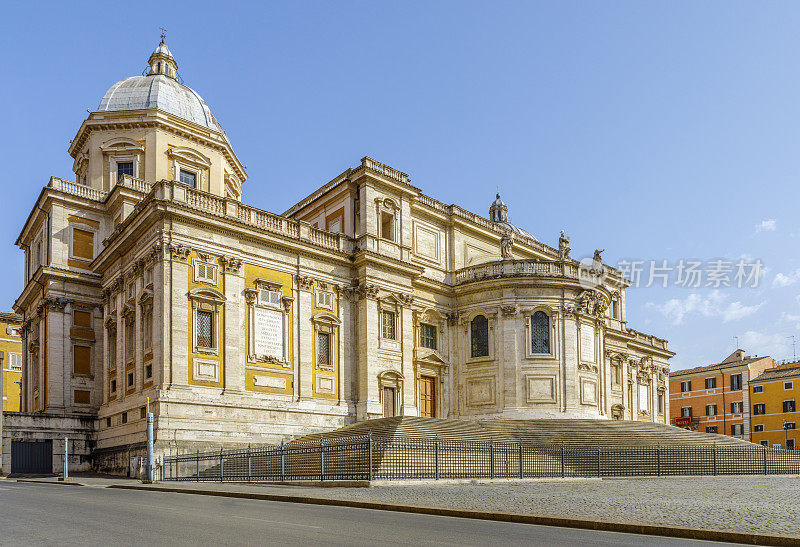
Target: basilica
146, 276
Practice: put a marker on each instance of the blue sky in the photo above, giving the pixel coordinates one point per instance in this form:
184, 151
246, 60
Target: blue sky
656, 131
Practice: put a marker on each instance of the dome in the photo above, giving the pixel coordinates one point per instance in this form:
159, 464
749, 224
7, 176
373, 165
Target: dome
517, 230
160, 89
498, 213
161, 92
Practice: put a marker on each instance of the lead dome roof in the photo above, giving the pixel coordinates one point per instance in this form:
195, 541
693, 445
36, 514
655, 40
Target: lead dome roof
160, 90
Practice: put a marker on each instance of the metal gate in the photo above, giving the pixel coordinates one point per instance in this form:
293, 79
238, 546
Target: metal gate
32, 457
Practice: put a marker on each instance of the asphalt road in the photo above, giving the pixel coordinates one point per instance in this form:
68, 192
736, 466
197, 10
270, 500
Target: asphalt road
42, 514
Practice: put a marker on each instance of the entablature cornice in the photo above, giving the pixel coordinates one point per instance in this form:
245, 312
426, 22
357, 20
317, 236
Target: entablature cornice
137, 119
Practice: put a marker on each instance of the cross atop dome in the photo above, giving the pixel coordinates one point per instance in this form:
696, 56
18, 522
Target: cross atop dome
161, 60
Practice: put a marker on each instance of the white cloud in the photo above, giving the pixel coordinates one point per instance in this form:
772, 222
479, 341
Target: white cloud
769, 225
777, 346
783, 280
713, 305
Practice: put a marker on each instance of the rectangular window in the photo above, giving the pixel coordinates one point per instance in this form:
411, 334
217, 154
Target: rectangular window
686, 412
148, 276
108, 422
82, 360
711, 383
788, 385
711, 410
113, 386
130, 380
758, 428
142, 413
147, 329
736, 382
686, 386
205, 273
82, 244
758, 389
124, 168
112, 349
737, 429
764, 443
82, 319
711, 429
188, 178
788, 406
788, 425
323, 348
616, 374
15, 361
325, 300
205, 329
758, 408
82, 397
427, 335
148, 372
789, 444
124, 417
660, 402
387, 226
737, 407
129, 339
389, 331
269, 298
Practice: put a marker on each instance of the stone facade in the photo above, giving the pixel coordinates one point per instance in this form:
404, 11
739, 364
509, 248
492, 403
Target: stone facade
367, 298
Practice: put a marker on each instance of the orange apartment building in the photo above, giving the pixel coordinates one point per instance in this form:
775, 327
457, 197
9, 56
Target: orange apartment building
716, 398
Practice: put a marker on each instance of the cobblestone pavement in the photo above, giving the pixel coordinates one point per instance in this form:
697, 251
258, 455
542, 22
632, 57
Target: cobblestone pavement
754, 504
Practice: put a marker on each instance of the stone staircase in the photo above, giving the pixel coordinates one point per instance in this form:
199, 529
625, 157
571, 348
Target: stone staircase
407, 447
604, 434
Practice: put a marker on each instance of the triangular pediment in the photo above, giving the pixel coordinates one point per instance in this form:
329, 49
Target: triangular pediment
432, 358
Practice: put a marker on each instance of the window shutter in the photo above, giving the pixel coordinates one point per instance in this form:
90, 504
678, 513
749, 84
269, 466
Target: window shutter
82, 244
81, 360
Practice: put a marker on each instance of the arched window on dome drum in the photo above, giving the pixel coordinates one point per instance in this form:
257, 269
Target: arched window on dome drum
540, 333
479, 331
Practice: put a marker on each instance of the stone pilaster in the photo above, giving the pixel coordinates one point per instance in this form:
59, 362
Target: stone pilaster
406, 324
305, 361
179, 325
235, 344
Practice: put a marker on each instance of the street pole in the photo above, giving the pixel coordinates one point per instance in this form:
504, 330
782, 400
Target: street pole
66, 458
150, 470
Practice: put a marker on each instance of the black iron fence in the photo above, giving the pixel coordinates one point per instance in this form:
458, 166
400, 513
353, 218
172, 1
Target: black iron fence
378, 458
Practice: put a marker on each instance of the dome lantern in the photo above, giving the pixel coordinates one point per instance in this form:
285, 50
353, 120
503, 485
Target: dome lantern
498, 212
161, 60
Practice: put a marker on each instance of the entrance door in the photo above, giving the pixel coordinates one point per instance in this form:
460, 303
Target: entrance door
32, 457
388, 402
427, 396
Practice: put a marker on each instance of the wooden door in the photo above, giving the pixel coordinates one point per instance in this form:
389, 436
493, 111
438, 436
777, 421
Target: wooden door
388, 402
427, 396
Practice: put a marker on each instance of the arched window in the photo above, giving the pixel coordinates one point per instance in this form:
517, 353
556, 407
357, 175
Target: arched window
479, 330
540, 333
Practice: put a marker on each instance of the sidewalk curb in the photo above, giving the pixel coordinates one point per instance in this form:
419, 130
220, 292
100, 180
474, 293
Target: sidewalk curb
630, 528
62, 483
